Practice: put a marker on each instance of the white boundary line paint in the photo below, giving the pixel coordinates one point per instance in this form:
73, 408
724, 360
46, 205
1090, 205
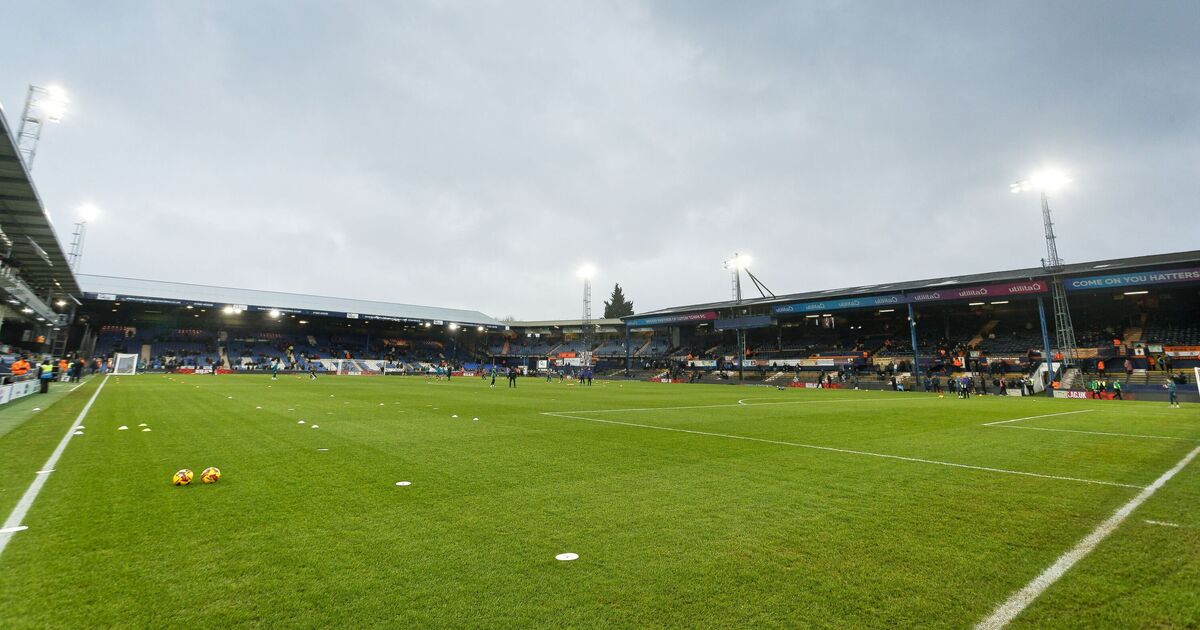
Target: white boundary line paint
22, 507
1045, 415
847, 451
1133, 435
1163, 523
1000, 425
1018, 601
19, 528
741, 404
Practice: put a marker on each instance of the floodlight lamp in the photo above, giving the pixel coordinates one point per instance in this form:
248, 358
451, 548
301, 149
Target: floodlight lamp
54, 104
1050, 179
479, 328
587, 272
452, 326
228, 310
60, 303
274, 313
88, 212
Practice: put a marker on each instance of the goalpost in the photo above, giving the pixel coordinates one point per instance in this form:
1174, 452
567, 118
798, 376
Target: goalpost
1197, 379
125, 364
346, 367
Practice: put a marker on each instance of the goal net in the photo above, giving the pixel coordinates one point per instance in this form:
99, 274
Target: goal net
124, 364
348, 367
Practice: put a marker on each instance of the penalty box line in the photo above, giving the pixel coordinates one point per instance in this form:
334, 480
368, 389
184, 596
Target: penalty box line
13, 524
844, 451
1017, 602
1004, 424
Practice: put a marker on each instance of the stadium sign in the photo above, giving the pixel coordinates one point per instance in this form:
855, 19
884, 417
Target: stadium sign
988, 291
686, 318
743, 323
1007, 289
1134, 279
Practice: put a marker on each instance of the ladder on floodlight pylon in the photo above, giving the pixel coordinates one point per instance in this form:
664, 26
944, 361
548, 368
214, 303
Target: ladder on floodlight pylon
1064, 331
58, 341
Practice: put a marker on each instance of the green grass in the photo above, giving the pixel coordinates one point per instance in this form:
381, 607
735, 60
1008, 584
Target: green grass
673, 528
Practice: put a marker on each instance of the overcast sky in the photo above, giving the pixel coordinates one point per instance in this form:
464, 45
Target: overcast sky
474, 154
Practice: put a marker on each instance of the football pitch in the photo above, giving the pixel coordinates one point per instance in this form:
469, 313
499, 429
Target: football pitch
688, 506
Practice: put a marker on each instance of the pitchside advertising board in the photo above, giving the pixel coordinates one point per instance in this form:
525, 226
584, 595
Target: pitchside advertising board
987, 292
1121, 280
14, 391
139, 299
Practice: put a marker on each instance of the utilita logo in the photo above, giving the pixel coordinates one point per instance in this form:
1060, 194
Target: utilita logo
1025, 288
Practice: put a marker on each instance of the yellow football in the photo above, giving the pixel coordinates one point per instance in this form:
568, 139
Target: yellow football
182, 477
212, 474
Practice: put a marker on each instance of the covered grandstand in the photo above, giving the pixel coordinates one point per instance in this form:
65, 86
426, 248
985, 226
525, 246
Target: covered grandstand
37, 287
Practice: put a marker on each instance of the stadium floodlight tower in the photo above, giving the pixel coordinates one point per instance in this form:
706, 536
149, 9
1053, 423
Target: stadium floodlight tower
87, 213
587, 272
1045, 182
42, 105
736, 265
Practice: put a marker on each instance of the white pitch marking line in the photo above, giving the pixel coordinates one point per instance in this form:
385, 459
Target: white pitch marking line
1046, 415
13, 530
27, 499
850, 451
1163, 523
45, 472
741, 404
1134, 435
1012, 607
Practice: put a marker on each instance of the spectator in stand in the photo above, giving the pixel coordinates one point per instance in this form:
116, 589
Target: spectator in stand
1128, 369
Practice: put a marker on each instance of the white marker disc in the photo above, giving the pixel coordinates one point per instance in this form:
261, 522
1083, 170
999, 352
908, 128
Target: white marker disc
122, 428
145, 430
299, 422
79, 433
322, 450
567, 556
316, 426
403, 483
